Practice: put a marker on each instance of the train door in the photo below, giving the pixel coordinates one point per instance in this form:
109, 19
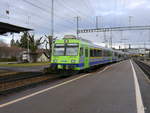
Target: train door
82, 55
86, 57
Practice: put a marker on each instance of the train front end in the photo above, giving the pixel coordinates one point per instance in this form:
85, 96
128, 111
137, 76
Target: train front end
65, 56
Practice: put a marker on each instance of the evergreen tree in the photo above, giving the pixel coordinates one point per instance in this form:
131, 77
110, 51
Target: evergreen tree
24, 40
12, 42
34, 44
17, 43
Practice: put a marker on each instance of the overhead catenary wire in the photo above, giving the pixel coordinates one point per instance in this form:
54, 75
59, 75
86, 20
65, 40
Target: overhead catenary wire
43, 9
73, 11
47, 11
46, 19
37, 6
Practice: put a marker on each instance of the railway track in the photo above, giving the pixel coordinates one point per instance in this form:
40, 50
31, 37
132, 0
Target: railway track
19, 76
145, 67
19, 80
11, 82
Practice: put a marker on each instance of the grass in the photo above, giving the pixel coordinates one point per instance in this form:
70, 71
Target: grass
26, 64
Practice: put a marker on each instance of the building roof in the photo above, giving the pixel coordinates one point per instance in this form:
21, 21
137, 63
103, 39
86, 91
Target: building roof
6, 27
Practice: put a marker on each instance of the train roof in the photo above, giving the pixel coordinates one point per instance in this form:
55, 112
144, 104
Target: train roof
98, 46
91, 44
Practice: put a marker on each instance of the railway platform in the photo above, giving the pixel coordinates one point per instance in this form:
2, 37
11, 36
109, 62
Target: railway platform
118, 88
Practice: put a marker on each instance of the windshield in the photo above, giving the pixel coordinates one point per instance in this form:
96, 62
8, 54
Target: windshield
59, 50
72, 51
67, 50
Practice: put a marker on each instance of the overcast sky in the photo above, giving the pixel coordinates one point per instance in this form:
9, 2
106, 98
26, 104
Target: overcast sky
36, 14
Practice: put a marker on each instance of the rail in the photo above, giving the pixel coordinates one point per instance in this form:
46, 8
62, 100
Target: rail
19, 76
19, 81
145, 67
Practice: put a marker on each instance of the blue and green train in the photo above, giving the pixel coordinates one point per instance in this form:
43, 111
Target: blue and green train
73, 54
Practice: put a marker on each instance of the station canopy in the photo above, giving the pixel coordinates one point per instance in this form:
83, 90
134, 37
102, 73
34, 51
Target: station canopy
6, 27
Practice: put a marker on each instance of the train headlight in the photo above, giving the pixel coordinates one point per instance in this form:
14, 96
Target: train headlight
55, 60
73, 61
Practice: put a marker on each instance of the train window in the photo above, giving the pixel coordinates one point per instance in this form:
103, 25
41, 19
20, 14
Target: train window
109, 53
119, 56
99, 53
104, 53
86, 52
95, 52
59, 50
72, 49
81, 51
115, 54
91, 53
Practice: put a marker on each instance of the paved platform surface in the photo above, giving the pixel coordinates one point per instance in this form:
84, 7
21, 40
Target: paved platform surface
109, 91
144, 83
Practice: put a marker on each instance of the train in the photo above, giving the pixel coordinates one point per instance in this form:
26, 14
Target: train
71, 55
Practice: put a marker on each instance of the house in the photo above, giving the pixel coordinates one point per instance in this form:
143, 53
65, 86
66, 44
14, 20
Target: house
10, 53
24, 56
42, 57
39, 56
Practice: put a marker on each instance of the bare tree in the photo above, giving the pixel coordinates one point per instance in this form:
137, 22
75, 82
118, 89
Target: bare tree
49, 41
